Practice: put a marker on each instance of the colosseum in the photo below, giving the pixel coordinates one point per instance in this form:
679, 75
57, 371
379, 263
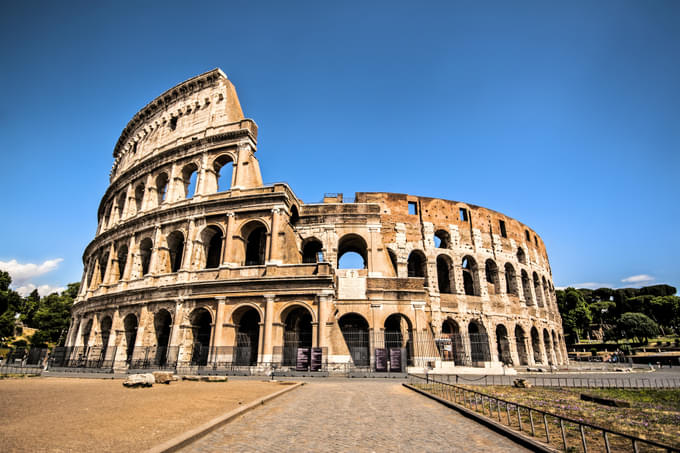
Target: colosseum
196, 264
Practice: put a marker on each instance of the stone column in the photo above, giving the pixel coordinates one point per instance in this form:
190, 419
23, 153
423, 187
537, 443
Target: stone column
227, 252
274, 255
173, 185
176, 322
267, 348
149, 197
108, 275
188, 258
218, 338
153, 262
130, 260
324, 302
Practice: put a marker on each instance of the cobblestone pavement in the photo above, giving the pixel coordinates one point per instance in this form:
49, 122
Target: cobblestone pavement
353, 416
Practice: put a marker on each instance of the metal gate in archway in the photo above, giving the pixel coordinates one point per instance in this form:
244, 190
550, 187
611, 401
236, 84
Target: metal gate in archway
357, 341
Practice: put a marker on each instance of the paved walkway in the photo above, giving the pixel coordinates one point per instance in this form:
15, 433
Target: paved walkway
353, 416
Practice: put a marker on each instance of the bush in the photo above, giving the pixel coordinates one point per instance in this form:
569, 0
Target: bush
20, 343
593, 352
625, 349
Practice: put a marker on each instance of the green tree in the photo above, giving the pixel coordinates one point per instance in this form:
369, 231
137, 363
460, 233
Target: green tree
29, 305
54, 316
635, 326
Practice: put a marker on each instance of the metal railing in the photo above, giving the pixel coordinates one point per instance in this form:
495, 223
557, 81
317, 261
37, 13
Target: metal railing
562, 433
629, 382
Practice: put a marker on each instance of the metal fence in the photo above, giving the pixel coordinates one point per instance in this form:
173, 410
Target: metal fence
630, 381
554, 430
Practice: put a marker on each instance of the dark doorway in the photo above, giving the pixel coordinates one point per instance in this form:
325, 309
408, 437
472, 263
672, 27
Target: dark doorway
354, 330
297, 333
247, 337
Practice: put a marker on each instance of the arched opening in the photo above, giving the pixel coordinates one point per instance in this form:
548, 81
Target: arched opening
294, 216
470, 276
145, 248
122, 260
521, 342
90, 273
175, 250
417, 265
103, 263
189, 176
212, 237
161, 322
510, 280
526, 288
444, 266
479, 343
547, 344
352, 252
393, 262
247, 321
537, 290
312, 251
87, 330
399, 335
139, 197
492, 280
161, 187
354, 330
130, 326
105, 329
201, 329
536, 345
556, 348
256, 244
503, 345
120, 203
107, 215
546, 292
521, 257
442, 239
452, 344
297, 333
223, 167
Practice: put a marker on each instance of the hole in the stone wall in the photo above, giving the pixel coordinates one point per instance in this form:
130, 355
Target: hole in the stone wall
527, 236
412, 208
463, 214
173, 123
504, 233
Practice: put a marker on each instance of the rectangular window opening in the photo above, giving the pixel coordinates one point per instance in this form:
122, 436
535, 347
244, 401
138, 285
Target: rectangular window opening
412, 208
463, 215
503, 232
526, 235
536, 240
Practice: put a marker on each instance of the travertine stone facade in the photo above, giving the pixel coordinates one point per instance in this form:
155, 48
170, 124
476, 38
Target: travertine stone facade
194, 252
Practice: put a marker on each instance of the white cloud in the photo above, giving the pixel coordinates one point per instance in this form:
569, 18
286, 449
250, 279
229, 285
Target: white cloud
591, 285
43, 290
638, 279
21, 273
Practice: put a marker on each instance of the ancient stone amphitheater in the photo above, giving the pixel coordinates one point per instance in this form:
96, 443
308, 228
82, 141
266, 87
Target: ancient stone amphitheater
197, 263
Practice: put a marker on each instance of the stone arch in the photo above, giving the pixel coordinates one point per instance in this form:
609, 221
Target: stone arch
162, 182
254, 234
355, 331
162, 321
442, 239
145, 250
492, 279
526, 288
87, 331
537, 290
247, 320
444, 273
546, 292
521, 256
479, 342
393, 261
536, 345
140, 189
503, 345
200, 320
189, 183
175, 242
312, 250
223, 168
121, 255
521, 342
294, 216
417, 265
399, 334
352, 243
105, 331
470, 276
510, 280
130, 324
120, 205
212, 238
452, 346
548, 346
297, 331
103, 264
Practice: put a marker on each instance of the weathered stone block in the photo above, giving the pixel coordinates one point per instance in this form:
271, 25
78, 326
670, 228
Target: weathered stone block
139, 380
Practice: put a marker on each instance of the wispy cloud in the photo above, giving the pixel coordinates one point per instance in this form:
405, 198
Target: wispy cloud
591, 285
23, 272
638, 279
43, 290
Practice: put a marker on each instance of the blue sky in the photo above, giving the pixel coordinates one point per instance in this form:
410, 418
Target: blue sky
564, 115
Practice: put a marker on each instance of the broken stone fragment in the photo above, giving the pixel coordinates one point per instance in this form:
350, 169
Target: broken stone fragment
139, 380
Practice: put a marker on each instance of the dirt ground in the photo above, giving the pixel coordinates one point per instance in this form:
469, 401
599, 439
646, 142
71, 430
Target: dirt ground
75, 415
